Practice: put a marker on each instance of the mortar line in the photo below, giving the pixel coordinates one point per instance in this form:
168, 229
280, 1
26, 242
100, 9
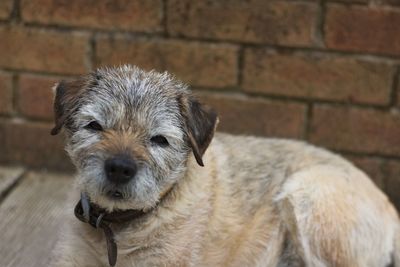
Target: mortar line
15, 95
240, 66
394, 88
164, 20
15, 16
320, 30
92, 51
231, 92
308, 121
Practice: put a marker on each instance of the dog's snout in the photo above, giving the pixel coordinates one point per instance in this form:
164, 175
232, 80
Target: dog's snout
120, 169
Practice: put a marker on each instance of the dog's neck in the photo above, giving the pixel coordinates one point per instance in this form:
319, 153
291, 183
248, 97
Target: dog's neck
99, 217
94, 215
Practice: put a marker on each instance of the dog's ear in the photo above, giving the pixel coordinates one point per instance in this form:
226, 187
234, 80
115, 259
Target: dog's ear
66, 97
201, 122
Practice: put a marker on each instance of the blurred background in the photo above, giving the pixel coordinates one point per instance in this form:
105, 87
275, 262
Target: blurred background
322, 71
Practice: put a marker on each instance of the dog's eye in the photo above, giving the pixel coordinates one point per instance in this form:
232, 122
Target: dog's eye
159, 140
94, 125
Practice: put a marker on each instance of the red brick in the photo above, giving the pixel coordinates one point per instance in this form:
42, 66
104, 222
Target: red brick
31, 144
366, 29
41, 50
132, 15
199, 64
256, 21
390, 2
392, 186
240, 115
372, 166
35, 97
317, 76
355, 129
5, 8
6, 93
398, 89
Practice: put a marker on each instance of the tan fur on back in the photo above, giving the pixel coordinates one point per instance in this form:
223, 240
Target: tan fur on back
222, 216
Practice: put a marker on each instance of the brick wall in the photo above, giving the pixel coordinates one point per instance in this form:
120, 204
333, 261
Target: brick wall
323, 71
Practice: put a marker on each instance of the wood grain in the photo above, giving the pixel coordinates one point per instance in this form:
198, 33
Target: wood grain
30, 219
9, 176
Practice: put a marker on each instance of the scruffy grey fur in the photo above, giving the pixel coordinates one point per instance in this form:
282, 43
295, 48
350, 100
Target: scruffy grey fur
122, 100
256, 201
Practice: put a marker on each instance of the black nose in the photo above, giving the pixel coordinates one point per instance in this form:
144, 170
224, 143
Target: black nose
120, 169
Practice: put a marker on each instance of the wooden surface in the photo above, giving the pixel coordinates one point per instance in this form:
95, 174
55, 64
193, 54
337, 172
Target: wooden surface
30, 217
9, 176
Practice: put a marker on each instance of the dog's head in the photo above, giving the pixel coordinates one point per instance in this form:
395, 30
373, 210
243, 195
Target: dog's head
130, 133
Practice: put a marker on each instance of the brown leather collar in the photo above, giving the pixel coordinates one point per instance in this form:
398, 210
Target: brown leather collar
97, 217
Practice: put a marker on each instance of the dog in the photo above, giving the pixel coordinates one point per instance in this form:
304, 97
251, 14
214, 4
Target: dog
164, 189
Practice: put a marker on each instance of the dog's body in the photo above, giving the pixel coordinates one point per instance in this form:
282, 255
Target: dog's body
256, 201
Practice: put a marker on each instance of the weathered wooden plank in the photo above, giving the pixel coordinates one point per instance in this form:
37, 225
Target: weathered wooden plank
30, 219
8, 177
